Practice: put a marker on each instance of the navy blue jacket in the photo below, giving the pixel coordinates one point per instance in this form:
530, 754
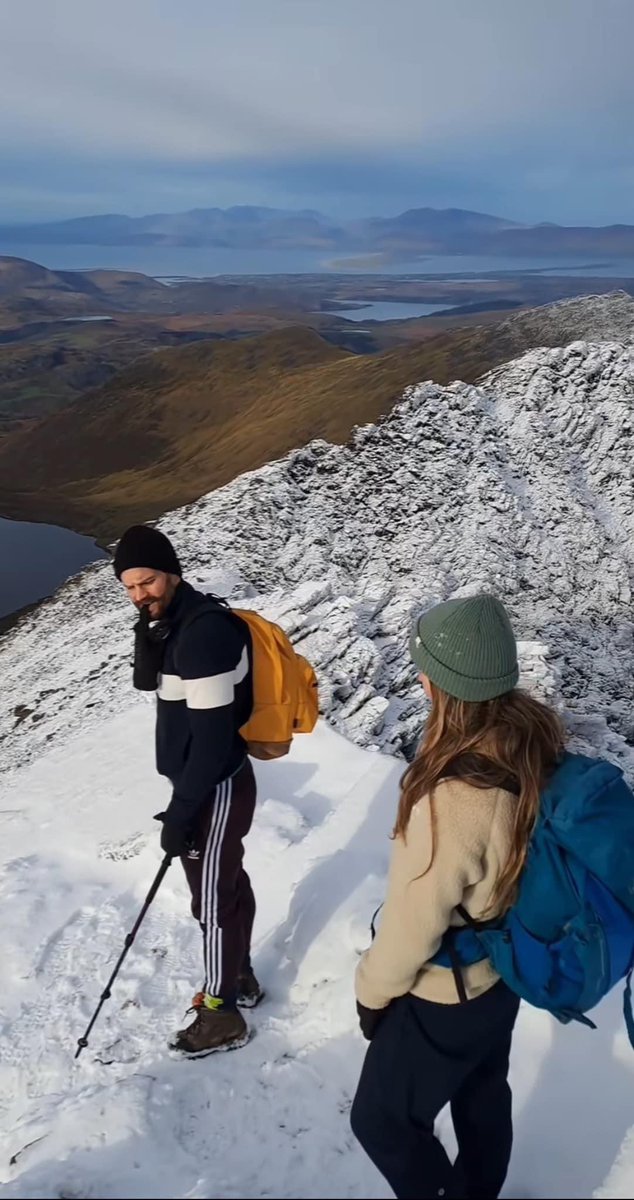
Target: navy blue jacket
205, 695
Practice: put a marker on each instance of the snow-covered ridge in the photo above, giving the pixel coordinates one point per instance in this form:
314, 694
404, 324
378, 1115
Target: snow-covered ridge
523, 485
605, 318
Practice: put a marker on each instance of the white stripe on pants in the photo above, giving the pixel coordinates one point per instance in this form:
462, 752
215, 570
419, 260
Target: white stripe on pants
212, 933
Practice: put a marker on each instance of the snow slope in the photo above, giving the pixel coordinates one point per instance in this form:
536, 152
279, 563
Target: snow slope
523, 485
126, 1120
605, 318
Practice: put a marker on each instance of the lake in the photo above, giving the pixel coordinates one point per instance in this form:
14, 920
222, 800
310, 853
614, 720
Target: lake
388, 310
189, 261
36, 559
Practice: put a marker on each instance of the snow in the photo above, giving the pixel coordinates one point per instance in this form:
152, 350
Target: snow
271, 1120
605, 318
80, 855
618, 1185
523, 485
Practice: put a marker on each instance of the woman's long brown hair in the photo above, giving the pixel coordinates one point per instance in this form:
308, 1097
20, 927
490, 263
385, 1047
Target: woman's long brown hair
512, 742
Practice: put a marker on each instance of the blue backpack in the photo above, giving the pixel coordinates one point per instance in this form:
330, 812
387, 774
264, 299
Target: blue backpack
569, 937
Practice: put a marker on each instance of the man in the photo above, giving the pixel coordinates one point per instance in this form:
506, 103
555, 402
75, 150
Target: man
197, 656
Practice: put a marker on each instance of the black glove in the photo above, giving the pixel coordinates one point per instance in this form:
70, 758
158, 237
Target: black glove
369, 1020
149, 649
176, 838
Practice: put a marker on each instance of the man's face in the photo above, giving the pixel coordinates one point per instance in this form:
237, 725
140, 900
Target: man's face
150, 589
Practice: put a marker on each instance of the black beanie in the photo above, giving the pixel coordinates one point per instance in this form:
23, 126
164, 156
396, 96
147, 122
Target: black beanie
142, 546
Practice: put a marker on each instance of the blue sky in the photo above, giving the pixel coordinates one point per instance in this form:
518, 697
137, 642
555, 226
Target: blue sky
355, 107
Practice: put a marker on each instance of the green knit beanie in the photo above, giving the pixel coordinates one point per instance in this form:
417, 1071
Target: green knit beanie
467, 648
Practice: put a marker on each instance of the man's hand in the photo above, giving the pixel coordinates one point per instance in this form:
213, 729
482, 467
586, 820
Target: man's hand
176, 838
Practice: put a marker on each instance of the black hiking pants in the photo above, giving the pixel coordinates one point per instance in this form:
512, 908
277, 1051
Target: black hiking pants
422, 1057
222, 896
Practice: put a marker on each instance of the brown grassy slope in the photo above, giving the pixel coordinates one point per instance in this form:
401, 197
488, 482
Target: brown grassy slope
166, 429
41, 373
44, 371
182, 422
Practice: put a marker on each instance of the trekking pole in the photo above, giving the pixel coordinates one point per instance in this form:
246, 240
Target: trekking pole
82, 1042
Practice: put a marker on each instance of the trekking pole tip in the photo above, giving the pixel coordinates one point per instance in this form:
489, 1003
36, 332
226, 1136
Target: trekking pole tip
82, 1043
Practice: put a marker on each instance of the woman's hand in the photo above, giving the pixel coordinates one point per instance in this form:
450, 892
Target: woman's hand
369, 1019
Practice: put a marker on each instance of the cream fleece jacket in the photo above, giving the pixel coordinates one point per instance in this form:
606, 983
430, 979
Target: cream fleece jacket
471, 844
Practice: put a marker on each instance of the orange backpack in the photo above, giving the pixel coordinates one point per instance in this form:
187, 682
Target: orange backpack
285, 697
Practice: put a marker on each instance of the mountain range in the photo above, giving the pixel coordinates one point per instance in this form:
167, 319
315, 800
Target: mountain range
172, 425
416, 231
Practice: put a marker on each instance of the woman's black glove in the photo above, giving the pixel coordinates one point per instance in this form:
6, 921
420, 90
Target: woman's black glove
369, 1019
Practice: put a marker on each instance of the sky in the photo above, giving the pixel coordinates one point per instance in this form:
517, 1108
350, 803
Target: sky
522, 108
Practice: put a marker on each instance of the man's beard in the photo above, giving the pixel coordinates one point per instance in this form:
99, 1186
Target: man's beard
154, 608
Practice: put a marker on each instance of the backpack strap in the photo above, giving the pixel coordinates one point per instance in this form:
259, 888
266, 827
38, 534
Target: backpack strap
456, 970
470, 921
627, 1007
212, 604
373, 922
452, 953
218, 605
449, 944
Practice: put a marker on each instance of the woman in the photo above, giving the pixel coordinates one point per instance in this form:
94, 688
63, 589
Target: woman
468, 805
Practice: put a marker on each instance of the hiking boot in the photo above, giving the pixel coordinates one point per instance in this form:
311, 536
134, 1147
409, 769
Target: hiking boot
213, 1029
249, 991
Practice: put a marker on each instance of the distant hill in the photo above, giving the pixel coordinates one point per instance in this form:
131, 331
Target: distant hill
29, 292
181, 422
240, 227
417, 231
606, 240
448, 230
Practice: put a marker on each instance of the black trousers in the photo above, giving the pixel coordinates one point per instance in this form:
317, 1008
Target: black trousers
222, 897
422, 1057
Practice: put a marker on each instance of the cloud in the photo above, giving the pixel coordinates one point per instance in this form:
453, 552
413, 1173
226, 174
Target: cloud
203, 80
295, 88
